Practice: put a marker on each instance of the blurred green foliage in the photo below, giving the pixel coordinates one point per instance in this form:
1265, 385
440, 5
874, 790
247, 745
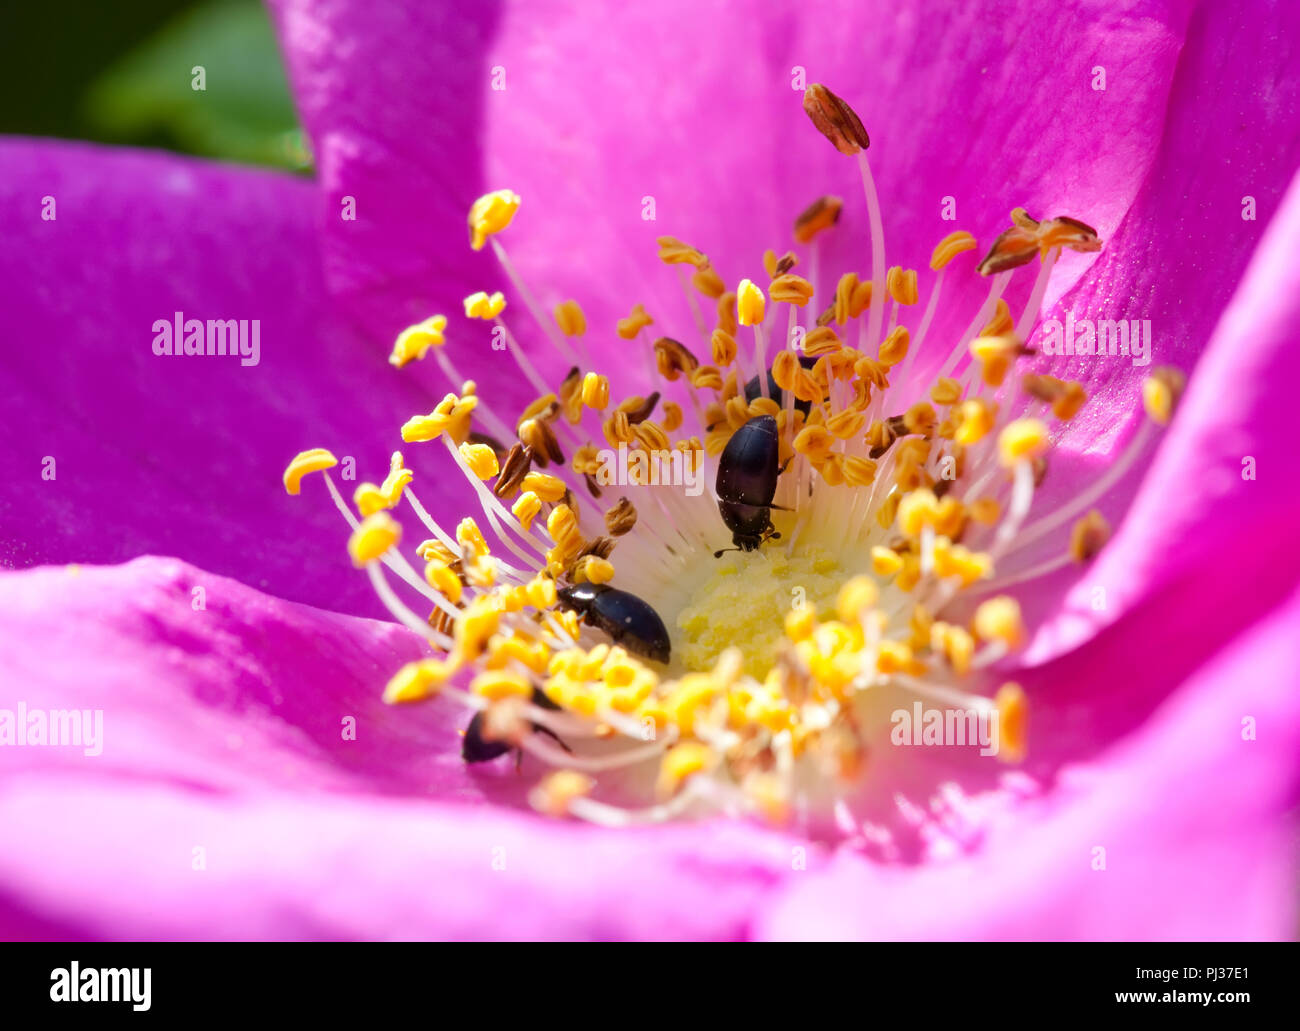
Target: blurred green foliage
126, 73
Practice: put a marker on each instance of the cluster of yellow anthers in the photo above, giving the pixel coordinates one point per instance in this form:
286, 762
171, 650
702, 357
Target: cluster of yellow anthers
898, 494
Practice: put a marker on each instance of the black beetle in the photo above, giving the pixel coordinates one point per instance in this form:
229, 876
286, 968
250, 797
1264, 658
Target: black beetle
753, 391
747, 475
475, 748
625, 617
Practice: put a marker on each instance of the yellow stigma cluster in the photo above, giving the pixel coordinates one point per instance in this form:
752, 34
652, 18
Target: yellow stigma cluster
894, 497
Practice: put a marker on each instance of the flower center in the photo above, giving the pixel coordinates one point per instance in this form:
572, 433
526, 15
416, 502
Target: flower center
743, 603
721, 644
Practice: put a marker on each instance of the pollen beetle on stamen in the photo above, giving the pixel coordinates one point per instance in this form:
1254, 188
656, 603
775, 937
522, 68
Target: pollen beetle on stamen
747, 475
475, 748
630, 621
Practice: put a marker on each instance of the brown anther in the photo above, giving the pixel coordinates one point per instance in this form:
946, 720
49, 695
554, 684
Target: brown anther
1043, 388
1088, 536
601, 547
673, 358
571, 396
593, 488
821, 214
639, 409
835, 120
1040, 470
1068, 232
513, 470
538, 435
1015, 247
621, 518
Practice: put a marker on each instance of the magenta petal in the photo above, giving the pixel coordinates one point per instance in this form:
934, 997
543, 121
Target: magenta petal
1189, 811
690, 107
207, 683
223, 729
1197, 509
280, 865
178, 455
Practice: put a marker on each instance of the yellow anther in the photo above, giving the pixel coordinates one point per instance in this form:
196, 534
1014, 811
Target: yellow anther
595, 391
476, 625
835, 120
778, 266
727, 312
533, 655
950, 246
801, 622
958, 647
1002, 323
821, 341
680, 763
433, 550
920, 418
484, 306
750, 303
986, 511
858, 471
372, 539
672, 416
706, 280
314, 461
893, 349
526, 507
562, 523
722, 347
1161, 392
917, 509
497, 684
976, 418
856, 595
452, 416
1020, 440
369, 499
490, 214
673, 252
570, 318
418, 680
846, 424
821, 214
790, 289
995, 355
557, 791
901, 284
769, 794
852, 297
441, 578
396, 480
481, 459
895, 657
541, 592
414, 342
593, 569
885, 561
1067, 406
545, 486
470, 536
946, 392
814, 441
1013, 722
635, 322
541, 408
1088, 536
998, 619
